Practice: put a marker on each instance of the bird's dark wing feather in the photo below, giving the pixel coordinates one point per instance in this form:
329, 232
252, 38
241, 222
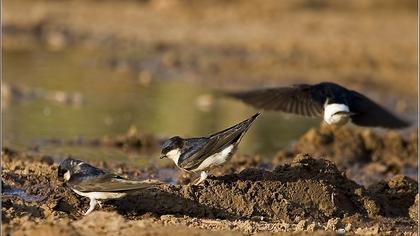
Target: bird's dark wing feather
197, 150
111, 183
300, 99
369, 113
87, 170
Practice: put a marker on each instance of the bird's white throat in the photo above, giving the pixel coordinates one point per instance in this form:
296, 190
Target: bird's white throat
174, 155
67, 175
332, 117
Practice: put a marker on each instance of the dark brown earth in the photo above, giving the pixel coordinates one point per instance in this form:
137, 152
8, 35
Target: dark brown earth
305, 195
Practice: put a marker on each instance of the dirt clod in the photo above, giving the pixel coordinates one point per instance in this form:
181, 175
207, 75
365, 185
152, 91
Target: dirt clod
399, 191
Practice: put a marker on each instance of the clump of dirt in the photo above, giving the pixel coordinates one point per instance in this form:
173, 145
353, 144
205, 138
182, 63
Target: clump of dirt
399, 191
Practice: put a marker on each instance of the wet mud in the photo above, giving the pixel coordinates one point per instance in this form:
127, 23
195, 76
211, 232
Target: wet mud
307, 194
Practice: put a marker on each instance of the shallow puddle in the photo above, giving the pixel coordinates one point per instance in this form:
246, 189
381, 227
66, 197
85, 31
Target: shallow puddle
20, 193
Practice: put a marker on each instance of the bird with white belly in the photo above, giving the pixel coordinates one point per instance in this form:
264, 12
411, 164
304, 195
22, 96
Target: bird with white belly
201, 154
96, 184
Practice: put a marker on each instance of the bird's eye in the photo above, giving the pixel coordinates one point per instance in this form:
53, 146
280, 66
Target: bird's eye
61, 172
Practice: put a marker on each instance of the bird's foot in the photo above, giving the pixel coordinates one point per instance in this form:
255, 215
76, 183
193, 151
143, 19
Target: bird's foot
92, 205
203, 176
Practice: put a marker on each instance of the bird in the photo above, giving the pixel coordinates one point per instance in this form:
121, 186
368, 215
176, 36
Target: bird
202, 153
334, 103
94, 183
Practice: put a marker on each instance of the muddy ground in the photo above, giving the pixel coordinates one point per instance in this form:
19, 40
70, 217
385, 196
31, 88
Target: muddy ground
303, 193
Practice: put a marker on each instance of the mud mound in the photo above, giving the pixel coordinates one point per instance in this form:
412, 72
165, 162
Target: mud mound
307, 188
395, 196
348, 146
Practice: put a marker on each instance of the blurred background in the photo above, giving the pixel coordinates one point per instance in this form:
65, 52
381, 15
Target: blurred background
86, 69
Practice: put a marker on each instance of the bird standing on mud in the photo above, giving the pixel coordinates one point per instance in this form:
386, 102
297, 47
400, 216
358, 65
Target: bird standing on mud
94, 183
200, 154
334, 103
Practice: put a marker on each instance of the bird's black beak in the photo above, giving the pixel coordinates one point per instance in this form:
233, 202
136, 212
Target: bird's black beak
162, 156
349, 113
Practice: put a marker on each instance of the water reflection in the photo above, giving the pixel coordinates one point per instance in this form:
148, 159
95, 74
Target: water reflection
20, 193
113, 102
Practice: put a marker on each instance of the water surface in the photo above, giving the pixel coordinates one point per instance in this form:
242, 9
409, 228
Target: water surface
114, 101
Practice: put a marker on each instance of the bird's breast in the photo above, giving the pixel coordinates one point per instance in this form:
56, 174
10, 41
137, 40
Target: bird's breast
333, 114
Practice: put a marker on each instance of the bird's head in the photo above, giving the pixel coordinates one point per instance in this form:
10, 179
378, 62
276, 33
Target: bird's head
68, 167
172, 147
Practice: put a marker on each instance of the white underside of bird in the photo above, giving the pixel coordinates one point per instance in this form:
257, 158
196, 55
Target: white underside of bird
93, 196
336, 114
213, 160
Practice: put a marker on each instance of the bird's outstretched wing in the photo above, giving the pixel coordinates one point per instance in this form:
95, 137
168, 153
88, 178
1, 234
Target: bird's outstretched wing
303, 99
112, 183
196, 150
369, 113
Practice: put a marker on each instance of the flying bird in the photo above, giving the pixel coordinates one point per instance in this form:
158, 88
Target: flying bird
200, 154
334, 103
94, 183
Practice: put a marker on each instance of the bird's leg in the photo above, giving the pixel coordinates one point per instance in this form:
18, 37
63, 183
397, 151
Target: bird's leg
92, 205
99, 203
203, 176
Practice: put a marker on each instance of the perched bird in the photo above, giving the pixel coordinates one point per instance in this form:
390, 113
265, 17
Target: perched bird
94, 183
200, 154
336, 104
